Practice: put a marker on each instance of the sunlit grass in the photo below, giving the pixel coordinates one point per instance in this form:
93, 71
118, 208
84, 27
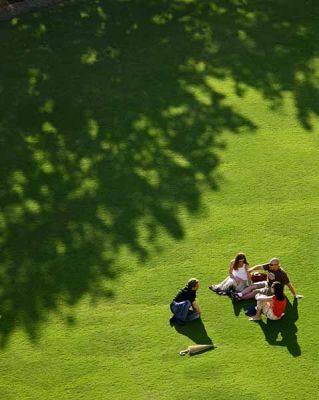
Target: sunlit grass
145, 143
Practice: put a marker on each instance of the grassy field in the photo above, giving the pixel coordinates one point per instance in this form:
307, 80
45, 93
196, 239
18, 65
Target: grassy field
143, 143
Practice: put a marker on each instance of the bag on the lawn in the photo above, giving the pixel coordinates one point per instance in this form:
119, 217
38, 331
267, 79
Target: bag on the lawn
258, 276
251, 310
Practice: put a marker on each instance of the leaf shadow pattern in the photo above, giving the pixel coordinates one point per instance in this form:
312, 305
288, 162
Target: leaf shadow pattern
104, 135
286, 328
111, 121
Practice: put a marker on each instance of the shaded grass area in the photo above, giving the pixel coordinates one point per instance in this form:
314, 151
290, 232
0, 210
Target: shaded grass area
128, 165
11, 9
112, 124
102, 134
125, 348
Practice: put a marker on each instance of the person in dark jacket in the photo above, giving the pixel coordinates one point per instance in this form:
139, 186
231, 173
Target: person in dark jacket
184, 305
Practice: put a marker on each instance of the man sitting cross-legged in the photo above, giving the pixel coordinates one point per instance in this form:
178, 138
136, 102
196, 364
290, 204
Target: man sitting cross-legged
275, 274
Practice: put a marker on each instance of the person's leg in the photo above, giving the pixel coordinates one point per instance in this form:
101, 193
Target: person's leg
262, 307
259, 308
248, 293
223, 286
227, 284
248, 289
270, 314
181, 309
240, 286
191, 316
258, 287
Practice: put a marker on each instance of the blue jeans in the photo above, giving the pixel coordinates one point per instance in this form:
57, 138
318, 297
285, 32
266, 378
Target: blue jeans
182, 311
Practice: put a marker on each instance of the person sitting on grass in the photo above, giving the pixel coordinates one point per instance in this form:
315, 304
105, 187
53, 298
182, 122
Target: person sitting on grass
238, 279
184, 305
275, 273
272, 306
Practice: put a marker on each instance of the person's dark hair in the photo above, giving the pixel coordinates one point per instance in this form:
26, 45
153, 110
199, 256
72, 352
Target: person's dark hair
192, 283
278, 290
239, 257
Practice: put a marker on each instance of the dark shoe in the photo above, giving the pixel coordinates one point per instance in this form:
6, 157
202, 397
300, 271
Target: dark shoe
215, 289
229, 293
234, 296
250, 311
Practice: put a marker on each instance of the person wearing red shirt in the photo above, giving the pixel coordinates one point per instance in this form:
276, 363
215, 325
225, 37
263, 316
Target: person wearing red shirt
272, 306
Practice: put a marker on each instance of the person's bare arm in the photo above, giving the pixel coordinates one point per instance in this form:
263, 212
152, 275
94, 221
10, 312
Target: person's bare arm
196, 307
230, 270
262, 297
258, 267
293, 291
248, 275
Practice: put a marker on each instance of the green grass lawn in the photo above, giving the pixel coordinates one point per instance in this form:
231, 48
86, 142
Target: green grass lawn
144, 143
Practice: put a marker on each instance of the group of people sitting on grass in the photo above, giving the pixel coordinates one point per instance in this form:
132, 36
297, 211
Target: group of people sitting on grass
239, 285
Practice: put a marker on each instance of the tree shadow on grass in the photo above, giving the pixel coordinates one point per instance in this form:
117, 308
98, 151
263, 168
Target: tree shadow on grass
286, 328
111, 124
104, 142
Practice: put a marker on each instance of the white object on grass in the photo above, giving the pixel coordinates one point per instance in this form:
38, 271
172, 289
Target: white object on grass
196, 348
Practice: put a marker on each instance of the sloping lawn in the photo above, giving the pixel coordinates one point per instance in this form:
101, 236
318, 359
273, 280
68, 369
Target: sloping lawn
144, 143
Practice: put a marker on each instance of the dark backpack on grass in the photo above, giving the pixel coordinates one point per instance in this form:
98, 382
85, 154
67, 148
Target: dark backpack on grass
251, 310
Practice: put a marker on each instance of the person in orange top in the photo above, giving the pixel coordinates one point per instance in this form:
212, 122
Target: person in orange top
272, 306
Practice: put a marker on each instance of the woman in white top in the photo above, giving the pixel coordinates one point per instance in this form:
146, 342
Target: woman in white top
238, 279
